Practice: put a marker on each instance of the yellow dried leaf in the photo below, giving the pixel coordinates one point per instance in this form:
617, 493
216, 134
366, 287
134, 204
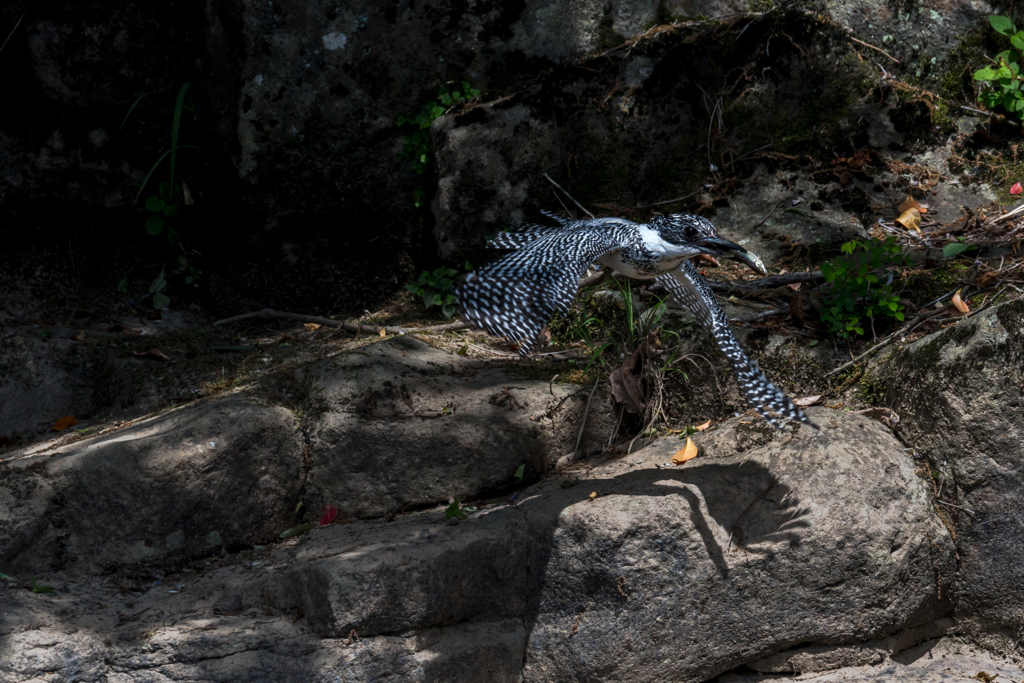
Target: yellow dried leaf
63, 423
960, 304
687, 452
912, 203
383, 333
593, 495
701, 428
911, 220
312, 327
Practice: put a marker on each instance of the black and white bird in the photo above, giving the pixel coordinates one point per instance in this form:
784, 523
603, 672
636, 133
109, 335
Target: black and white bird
517, 295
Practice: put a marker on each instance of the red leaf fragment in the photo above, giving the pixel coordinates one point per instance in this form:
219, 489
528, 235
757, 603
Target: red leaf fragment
1016, 189
328, 515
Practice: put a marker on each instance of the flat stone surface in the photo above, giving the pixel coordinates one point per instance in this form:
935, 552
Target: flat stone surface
177, 486
399, 424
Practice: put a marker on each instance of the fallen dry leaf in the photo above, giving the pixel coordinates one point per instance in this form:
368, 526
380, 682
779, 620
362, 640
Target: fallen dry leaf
1016, 189
687, 452
593, 495
987, 278
63, 423
312, 327
912, 203
152, 354
911, 220
959, 303
795, 286
796, 309
80, 336
701, 428
383, 333
807, 400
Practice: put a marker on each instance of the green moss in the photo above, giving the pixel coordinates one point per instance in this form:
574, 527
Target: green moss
607, 36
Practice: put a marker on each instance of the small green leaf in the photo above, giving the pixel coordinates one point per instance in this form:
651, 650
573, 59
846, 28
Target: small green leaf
39, 588
298, 530
161, 300
468, 266
154, 225
899, 316
454, 510
154, 203
1002, 24
520, 472
954, 248
122, 285
170, 209
985, 74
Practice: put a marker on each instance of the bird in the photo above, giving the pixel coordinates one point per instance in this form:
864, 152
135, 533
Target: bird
517, 295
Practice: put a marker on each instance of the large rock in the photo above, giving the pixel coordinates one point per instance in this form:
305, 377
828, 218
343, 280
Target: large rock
960, 395
156, 494
399, 424
769, 546
768, 541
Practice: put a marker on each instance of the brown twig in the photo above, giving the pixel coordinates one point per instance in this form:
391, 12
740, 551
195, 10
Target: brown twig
351, 327
769, 282
668, 201
861, 42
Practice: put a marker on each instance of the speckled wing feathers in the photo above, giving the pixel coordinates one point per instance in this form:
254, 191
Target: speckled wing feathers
517, 295
690, 289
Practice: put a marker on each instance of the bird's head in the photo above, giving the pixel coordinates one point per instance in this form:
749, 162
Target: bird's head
698, 232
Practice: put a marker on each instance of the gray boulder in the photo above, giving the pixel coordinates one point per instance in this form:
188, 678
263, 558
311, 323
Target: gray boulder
960, 396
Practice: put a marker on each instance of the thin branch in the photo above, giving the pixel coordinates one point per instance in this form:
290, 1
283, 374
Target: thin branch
667, 201
351, 327
769, 282
584, 425
760, 316
861, 42
768, 216
16, 25
569, 196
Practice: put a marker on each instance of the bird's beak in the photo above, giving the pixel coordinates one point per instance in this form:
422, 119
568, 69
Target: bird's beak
719, 246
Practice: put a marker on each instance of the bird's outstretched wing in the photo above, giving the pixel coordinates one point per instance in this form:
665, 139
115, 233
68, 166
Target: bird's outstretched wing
690, 289
523, 235
516, 295
514, 239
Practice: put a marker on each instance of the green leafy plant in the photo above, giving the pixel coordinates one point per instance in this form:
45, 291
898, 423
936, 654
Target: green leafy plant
165, 204
857, 294
456, 510
1004, 76
436, 288
416, 147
